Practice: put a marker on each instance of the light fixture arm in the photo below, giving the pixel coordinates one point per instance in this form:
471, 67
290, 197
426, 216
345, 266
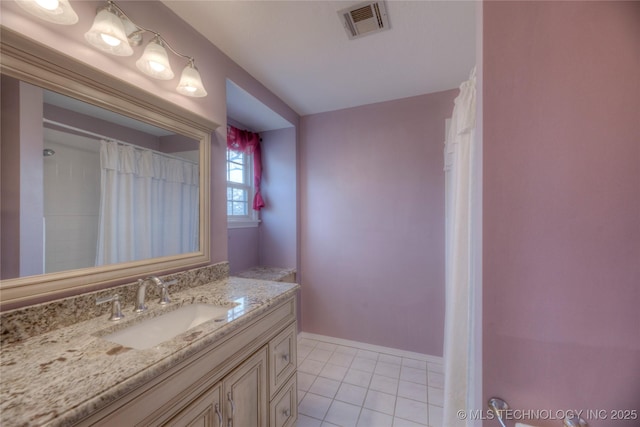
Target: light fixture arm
114, 32
190, 58
136, 36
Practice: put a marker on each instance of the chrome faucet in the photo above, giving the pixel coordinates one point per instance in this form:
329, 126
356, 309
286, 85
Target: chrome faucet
142, 290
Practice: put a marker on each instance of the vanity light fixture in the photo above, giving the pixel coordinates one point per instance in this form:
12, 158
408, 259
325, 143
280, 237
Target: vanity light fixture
190, 82
56, 11
114, 32
108, 34
154, 61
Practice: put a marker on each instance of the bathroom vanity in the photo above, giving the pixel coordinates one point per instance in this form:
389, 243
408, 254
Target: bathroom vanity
235, 370
58, 367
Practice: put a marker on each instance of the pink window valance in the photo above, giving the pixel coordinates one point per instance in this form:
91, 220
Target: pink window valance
249, 143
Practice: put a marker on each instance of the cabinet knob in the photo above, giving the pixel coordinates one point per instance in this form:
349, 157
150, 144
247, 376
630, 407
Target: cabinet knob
286, 412
285, 357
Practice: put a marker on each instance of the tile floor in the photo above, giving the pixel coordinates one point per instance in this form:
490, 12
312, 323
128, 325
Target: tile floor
347, 386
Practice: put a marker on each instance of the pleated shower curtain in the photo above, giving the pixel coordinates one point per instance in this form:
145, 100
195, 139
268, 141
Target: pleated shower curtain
148, 205
461, 239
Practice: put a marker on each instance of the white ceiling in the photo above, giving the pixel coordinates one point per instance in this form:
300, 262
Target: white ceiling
248, 110
300, 51
90, 110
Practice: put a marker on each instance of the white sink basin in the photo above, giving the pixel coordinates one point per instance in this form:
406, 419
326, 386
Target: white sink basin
156, 330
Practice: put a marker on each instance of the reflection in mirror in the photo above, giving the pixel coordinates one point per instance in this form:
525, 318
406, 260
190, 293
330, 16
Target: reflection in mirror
27, 67
95, 188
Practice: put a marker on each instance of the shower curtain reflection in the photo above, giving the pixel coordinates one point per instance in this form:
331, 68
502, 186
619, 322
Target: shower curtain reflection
148, 205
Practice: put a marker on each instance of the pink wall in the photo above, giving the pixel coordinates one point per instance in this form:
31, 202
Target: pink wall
273, 242
214, 66
10, 174
22, 209
278, 244
243, 248
561, 206
372, 222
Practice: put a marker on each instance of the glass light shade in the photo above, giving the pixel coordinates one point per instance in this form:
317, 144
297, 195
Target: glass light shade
191, 83
154, 61
107, 34
56, 11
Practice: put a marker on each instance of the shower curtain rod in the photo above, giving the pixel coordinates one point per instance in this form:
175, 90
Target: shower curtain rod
97, 135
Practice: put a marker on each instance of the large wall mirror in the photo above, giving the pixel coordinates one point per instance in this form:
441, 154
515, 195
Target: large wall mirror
101, 181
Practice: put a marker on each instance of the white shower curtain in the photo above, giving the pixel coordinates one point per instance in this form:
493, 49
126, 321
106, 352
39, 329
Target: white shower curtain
148, 205
459, 344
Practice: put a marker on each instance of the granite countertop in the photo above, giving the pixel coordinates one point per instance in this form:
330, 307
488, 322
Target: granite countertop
266, 273
60, 377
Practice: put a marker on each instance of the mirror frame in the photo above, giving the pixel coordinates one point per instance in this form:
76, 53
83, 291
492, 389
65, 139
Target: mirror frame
32, 62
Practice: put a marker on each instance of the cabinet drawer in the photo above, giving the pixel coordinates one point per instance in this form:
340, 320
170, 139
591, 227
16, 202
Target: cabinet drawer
282, 357
284, 407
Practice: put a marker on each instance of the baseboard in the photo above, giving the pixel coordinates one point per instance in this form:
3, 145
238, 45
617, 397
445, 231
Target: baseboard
372, 347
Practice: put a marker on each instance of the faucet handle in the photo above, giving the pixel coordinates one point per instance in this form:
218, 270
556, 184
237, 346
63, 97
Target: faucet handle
116, 311
164, 297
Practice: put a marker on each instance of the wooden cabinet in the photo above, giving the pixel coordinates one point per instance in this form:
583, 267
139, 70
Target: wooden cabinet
203, 412
240, 399
247, 379
245, 393
284, 406
282, 357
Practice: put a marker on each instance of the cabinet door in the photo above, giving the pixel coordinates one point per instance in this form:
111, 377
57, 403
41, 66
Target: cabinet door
205, 411
282, 357
245, 393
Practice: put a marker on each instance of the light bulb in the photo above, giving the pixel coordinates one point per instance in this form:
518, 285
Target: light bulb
156, 66
110, 40
56, 11
48, 4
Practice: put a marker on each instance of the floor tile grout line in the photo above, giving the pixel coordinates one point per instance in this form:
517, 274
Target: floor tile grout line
368, 388
341, 382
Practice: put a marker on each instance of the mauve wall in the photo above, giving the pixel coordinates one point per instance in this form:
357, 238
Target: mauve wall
273, 242
214, 66
21, 251
278, 227
243, 248
562, 206
372, 222
9, 173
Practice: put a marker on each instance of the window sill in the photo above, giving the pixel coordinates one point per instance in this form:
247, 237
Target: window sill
242, 223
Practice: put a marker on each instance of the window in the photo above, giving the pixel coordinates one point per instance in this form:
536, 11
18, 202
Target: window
240, 189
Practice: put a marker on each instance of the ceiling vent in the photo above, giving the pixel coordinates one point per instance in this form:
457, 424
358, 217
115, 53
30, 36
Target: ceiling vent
364, 18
